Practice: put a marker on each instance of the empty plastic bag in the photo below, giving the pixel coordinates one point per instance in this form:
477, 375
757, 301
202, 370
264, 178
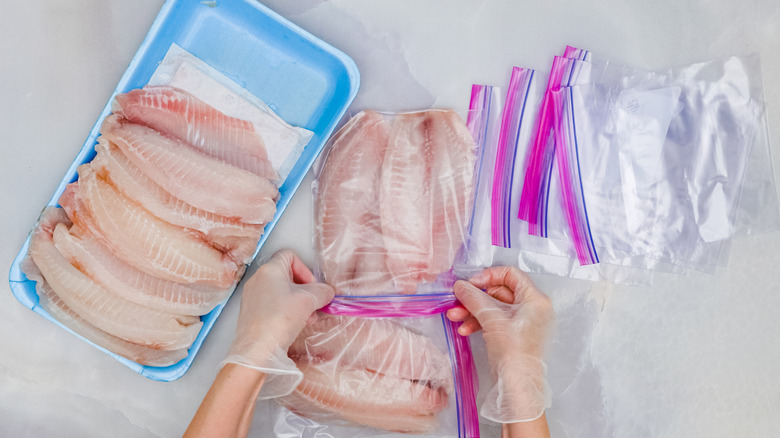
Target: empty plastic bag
631, 170
652, 164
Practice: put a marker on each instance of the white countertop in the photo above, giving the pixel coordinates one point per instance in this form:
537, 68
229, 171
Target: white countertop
692, 356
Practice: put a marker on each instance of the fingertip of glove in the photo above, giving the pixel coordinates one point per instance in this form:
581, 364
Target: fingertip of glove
462, 287
321, 293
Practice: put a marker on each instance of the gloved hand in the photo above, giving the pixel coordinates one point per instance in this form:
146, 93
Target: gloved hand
516, 320
277, 302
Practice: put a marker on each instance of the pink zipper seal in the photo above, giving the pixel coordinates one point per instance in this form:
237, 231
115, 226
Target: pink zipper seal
391, 305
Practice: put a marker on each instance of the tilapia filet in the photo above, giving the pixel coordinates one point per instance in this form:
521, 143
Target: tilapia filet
158, 228
370, 371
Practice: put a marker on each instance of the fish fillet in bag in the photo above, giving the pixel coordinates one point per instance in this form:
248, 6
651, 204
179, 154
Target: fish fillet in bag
348, 232
392, 200
401, 371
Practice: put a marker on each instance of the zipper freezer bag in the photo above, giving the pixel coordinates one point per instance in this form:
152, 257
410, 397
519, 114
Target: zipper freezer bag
392, 201
484, 122
381, 366
717, 117
659, 172
570, 69
503, 135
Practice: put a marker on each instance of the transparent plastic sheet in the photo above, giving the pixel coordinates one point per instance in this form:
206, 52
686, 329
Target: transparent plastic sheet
393, 201
381, 366
750, 198
759, 209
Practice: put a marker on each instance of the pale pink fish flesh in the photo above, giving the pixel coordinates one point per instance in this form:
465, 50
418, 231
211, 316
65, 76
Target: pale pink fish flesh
103, 267
141, 239
425, 194
367, 398
452, 193
348, 235
57, 309
236, 238
404, 200
378, 345
101, 308
181, 115
369, 371
192, 176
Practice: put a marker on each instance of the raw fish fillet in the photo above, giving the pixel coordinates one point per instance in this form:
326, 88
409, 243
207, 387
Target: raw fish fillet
400, 195
452, 191
368, 398
100, 307
370, 371
137, 353
192, 176
54, 306
103, 267
236, 238
424, 195
141, 239
181, 115
349, 234
378, 345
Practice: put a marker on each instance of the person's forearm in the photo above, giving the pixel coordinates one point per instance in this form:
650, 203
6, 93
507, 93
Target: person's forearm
528, 429
228, 407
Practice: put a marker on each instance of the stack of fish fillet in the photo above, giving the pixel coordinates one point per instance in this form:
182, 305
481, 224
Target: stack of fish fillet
393, 201
158, 227
392, 204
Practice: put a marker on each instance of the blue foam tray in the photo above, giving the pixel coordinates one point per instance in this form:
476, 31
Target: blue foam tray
303, 79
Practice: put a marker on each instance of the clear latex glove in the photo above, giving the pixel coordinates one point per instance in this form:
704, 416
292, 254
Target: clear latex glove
516, 320
277, 302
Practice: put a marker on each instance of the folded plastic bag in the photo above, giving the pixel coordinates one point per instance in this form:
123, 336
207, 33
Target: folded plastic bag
392, 200
380, 364
484, 122
652, 164
734, 194
570, 69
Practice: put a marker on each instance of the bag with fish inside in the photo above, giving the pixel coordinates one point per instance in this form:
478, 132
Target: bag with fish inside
381, 364
393, 200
